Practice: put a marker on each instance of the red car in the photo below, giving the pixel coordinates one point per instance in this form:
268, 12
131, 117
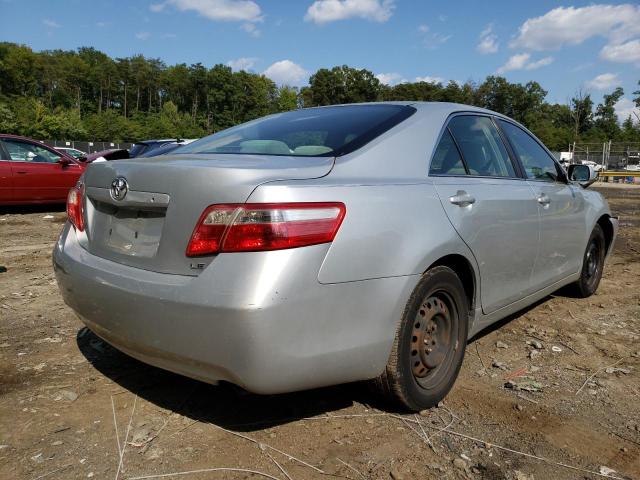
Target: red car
31, 172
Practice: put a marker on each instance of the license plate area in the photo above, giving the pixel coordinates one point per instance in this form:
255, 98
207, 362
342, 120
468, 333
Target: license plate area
129, 231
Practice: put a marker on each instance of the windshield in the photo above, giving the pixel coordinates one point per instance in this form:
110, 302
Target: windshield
310, 132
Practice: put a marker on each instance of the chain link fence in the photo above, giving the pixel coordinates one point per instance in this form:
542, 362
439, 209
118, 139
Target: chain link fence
87, 147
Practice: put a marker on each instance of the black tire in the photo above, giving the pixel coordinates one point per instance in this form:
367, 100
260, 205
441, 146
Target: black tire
425, 361
592, 265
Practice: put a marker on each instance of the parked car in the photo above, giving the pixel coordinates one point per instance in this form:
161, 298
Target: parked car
147, 146
74, 152
104, 155
330, 245
31, 172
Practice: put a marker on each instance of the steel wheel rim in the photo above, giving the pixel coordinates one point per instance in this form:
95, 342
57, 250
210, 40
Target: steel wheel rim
592, 261
432, 338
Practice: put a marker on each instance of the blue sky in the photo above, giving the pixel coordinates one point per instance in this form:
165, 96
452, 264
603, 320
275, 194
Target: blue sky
564, 46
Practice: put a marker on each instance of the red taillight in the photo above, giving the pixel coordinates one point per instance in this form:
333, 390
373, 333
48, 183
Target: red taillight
255, 227
75, 210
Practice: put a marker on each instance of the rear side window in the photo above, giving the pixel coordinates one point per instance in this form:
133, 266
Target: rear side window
481, 146
311, 132
446, 159
537, 163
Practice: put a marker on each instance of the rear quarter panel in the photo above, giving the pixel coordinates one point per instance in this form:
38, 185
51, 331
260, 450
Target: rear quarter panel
389, 230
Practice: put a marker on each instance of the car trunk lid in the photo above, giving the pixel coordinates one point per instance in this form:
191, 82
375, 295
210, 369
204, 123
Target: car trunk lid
150, 225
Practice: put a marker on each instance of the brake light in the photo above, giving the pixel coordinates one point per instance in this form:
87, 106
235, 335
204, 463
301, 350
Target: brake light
255, 227
75, 209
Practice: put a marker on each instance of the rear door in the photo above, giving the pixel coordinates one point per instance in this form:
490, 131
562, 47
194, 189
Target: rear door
561, 207
37, 174
6, 180
488, 203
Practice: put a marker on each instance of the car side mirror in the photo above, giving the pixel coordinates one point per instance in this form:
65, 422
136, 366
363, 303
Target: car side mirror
64, 161
585, 175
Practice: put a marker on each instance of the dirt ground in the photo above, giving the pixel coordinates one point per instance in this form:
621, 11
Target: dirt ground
69, 403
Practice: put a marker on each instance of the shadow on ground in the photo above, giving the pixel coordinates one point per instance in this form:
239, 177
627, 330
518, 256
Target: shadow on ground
25, 209
225, 405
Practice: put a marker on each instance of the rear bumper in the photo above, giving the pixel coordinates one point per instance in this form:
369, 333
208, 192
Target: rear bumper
260, 320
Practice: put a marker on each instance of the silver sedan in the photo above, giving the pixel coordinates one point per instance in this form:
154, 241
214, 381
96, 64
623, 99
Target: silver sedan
329, 245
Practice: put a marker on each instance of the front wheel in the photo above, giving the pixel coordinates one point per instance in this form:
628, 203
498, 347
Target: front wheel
430, 341
592, 264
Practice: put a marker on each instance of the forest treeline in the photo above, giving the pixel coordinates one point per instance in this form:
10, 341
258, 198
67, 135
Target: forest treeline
87, 95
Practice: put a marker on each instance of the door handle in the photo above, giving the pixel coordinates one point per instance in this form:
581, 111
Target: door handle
543, 199
22, 173
462, 199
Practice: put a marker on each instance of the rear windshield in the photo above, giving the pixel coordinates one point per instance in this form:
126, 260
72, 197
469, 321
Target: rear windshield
309, 132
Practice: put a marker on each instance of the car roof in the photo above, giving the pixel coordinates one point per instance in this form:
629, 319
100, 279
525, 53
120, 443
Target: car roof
426, 107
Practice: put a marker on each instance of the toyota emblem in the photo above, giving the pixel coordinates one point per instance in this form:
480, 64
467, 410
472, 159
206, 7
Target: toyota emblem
119, 188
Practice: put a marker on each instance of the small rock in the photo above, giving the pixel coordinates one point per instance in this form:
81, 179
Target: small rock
440, 404
38, 458
369, 421
500, 344
69, 395
624, 371
522, 476
460, 464
424, 413
465, 457
535, 344
90, 475
500, 365
533, 354
519, 407
606, 470
395, 474
57, 442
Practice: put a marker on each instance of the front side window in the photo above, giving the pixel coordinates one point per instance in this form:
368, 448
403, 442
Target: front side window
446, 159
537, 163
311, 132
28, 152
481, 145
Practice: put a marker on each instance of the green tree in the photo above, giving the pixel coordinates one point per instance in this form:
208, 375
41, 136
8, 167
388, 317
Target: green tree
606, 119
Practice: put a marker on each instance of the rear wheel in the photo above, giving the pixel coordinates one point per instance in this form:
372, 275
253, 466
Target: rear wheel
430, 340
592, 264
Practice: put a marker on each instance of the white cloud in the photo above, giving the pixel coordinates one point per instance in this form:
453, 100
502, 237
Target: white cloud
624, 53
521, 61
251, 29
169, 35
430, 39
324, 11
392, 78
430, 79
102, 24
143, 35
242, 63
286, 72
488, 41
572, 26
626, 107
50, 23
603, 81
217, 10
